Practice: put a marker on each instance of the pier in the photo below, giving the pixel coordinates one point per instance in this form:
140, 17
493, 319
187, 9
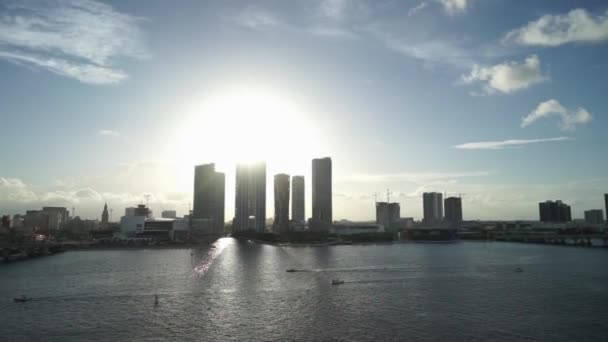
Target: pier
27, 250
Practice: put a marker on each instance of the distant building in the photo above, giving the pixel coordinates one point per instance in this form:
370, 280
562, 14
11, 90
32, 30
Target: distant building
57, 217
297, 199
387, 214
142, 210
168, 214
432, 204
595, 216
453, 209
250, 197
281, 203
130, 211
550, 211
209, 195
105, 217
321, 194
355, 228
606, 205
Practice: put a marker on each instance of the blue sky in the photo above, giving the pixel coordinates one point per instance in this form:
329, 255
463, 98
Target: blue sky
501, 101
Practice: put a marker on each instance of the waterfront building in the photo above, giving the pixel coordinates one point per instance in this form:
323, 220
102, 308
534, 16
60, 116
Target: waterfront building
281, 203
209, 195
387, 214
453, 209
550, 211
57, 217
432, 203
130, 211
250, 197
321, 194
168, 214
606, 205
105, 217
297, 199
595, 216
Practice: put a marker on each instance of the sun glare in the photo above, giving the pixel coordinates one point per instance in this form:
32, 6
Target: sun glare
244, 125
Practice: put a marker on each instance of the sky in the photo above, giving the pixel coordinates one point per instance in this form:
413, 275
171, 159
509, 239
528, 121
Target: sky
501, 102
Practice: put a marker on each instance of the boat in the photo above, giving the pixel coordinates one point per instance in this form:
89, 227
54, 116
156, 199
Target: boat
518, 270
337, 281
290, 270
21, 299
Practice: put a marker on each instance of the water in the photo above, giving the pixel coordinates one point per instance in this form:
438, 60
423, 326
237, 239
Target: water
240, 291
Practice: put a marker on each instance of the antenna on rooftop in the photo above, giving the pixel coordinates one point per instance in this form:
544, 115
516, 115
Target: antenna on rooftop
388, 196
147, 197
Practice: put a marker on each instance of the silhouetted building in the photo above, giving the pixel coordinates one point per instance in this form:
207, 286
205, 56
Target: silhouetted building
58, 217
209, 195
595, 216
321, 194
250, 199
168, 214
387, 214
130, 211
142, 210
453, 209
297, 199
606, 205
557, 211
281, 203
105, 217
432, 204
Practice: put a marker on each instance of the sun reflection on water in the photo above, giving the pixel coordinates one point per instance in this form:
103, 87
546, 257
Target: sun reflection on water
214, 251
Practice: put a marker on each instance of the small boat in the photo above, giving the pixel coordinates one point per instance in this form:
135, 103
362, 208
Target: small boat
21, 299
155, 300
518, 270
290, 270
337, 281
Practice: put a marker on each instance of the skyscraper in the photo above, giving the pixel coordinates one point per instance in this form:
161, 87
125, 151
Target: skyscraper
595, 216
557, 211
209, 195
432, 206
297, 199
387, 214
250, 199
453, 209
606, 205
281, 203
104, 217
321, 194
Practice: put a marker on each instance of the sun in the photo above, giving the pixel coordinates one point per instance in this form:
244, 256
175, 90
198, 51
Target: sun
246, 124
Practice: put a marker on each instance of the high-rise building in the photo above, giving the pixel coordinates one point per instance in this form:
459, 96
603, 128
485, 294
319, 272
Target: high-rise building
594, 216
250, 199
209, 196
105, 217
606, 205
58, 217
281, 203
297, 199
557, 211
387, 214
321, 194
453, 209
432, 206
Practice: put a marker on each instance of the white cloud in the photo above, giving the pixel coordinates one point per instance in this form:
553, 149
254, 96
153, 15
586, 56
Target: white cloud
416, 176
507, 77
453, 7
333, 9
568, 118
256, 19
73, 38
503, 144
108, 132
577, 26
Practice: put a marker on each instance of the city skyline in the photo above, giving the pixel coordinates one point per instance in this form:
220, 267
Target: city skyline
406, 95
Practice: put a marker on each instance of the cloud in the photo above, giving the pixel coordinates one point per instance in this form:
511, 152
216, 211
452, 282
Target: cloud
451, 7
568, 118
333, 9
507, 77
108, 132
416, 176
504, 144
78, 39
577, 26
256, 19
